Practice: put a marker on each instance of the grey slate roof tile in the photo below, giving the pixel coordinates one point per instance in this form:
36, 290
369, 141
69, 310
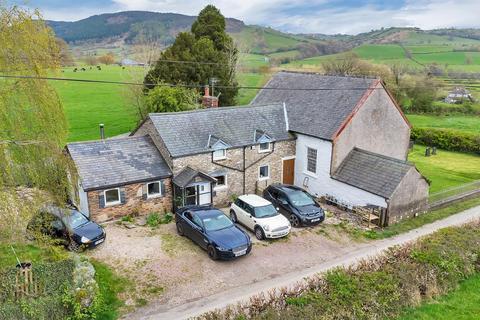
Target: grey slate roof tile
372, 172
318, 113
118, 161
186, 133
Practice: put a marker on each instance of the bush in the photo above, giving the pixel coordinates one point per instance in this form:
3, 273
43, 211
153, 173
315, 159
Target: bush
154, 219
447, 139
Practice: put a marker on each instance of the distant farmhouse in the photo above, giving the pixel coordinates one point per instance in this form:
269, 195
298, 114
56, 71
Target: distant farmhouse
349, 143
458, 95
131, 63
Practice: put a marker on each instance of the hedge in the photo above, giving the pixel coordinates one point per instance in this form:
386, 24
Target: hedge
377, 288
447, 139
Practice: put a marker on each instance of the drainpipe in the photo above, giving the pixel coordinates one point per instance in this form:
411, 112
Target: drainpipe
102, 131
244, 177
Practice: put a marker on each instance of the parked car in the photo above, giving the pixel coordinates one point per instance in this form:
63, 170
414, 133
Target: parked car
295, 203
213, 231
260, 216
71, 227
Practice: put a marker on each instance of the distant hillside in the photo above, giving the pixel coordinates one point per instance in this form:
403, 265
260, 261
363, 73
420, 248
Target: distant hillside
119, 30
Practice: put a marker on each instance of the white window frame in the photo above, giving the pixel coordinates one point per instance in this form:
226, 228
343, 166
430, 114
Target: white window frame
113, 203
155, 195
223, 157
223, 186
260, 150
316, 161
264, 178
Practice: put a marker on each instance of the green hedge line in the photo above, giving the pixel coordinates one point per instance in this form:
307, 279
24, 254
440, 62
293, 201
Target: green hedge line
378, 288
447, 139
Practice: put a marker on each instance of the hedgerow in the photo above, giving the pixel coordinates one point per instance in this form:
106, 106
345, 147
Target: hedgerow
377, 288
447, 139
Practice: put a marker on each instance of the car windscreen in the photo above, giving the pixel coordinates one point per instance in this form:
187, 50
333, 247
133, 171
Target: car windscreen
300, 199
218, 222
265, 211
76, 219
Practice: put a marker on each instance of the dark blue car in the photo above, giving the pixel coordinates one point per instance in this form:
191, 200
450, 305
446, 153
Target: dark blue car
213, 231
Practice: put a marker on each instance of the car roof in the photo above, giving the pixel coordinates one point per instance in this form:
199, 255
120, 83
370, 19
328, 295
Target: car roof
254, 200
287, 188
204, 211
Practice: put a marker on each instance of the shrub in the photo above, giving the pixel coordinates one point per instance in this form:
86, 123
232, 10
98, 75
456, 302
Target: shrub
154, 219
447, 139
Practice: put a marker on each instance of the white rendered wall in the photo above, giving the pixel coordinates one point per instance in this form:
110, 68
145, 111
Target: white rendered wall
321, 184
82, 195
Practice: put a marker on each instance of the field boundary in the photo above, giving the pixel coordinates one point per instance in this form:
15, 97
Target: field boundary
449, 196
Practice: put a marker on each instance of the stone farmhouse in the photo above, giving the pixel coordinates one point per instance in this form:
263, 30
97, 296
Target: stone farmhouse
349, 142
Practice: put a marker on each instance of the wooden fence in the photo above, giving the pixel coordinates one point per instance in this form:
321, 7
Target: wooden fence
25, 284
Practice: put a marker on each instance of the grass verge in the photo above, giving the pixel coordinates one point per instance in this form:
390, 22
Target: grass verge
461, 304
111, 285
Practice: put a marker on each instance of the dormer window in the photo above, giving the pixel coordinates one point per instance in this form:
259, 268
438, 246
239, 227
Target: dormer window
265, 147
220, 154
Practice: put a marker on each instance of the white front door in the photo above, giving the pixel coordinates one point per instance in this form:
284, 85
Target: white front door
204, 193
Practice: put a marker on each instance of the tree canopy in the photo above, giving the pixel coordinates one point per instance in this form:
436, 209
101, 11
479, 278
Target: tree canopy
33, 127
207, 42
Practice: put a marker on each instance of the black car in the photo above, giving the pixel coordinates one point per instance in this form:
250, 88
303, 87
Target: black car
295, 203
213, 231
68, 226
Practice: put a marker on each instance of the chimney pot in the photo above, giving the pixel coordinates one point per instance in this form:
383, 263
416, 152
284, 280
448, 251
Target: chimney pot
102, 131
207, 91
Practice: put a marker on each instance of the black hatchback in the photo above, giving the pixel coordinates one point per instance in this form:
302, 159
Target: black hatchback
295, 203
68, 226
213, 231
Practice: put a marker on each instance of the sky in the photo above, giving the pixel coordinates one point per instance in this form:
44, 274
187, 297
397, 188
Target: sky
300, 16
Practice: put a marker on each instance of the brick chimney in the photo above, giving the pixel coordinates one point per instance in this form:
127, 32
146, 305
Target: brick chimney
209, 101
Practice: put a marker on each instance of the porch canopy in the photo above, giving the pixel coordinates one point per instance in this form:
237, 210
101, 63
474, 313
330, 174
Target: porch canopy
192, 187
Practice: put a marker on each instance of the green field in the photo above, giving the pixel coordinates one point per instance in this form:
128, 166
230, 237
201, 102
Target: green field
461, 304
446, 169
469, 124
89, 104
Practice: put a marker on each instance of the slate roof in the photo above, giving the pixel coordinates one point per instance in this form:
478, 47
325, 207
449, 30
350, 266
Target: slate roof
372, 172
113, 162
317, 113
186, 176
187, 133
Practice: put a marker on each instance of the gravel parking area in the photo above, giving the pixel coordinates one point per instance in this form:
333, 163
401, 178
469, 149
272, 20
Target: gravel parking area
169, 270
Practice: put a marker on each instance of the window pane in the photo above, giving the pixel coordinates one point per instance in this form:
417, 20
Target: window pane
264, 146
154, 188
220, 180
112, 196
218, 154
312, 160
264, 172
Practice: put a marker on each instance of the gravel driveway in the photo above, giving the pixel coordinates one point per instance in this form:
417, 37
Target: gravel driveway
169, 270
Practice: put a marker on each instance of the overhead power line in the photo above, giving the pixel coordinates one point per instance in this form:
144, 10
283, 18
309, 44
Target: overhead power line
198, 86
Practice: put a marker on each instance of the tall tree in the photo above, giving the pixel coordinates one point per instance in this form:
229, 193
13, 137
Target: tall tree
207, 52
33, 128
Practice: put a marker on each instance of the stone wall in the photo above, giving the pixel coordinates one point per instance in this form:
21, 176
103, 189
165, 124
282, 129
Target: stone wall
378, 126
410, 198
134, 202
233, 166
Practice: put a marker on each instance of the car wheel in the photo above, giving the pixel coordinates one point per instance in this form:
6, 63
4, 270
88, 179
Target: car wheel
73, 246
233, 216
212, 253
259, 233
180, 229
294, 221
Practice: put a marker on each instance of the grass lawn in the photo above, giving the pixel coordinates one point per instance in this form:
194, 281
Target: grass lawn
446, 169
460, 304
470, 124
250, 79
26, 253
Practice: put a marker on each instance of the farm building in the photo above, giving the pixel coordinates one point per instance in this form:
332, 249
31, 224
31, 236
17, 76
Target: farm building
349, 143
458, 95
